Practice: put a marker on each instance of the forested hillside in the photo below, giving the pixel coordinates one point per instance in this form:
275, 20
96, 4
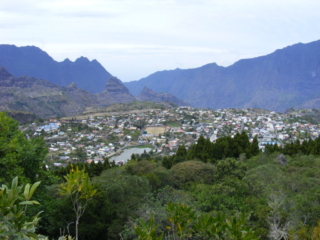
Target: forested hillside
222, 190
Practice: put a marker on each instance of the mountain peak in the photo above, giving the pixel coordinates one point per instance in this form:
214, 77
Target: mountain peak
114, 92
32, 61
113, 80
4, 74
148, 94
210, 65
82, 59
73, 85
115, 85
288, 77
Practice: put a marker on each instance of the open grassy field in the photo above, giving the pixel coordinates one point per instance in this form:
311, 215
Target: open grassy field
155, 130
142, 146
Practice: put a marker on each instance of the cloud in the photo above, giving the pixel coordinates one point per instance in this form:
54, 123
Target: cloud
134, 38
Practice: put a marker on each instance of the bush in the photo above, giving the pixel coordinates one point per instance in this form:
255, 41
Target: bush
192, 172
143, 167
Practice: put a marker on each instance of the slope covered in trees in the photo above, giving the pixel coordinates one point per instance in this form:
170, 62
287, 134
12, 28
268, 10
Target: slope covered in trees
18, 155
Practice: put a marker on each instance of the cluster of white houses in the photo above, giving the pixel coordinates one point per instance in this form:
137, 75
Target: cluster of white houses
103, 136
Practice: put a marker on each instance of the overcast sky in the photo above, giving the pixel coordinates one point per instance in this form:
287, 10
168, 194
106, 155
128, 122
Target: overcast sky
133, 39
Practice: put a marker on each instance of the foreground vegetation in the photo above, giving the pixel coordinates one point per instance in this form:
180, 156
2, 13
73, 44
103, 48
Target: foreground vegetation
223, 190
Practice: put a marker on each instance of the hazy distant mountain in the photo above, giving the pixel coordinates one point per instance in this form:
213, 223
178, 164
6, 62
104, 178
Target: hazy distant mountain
32, 61
314, 103
286, 78
148, 94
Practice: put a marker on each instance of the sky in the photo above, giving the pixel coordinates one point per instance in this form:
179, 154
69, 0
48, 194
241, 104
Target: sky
135, 38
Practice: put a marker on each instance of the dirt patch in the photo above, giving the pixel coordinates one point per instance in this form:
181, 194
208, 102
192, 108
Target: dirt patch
86, 115
155, 131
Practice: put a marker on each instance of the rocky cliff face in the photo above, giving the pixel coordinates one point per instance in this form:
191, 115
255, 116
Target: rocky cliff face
41, 97
114, 92
148, 94
45, 99
286, 78
33, 62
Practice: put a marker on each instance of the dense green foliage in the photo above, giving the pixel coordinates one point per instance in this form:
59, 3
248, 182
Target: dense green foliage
223, 190
306, 147
14, 222
206, 151
224, 147
185, 223
18, 155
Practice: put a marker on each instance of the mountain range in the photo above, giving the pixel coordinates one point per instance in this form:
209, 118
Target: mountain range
286, 78
45, 99
33, 62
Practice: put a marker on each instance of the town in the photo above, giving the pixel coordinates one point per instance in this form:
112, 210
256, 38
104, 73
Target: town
99, 136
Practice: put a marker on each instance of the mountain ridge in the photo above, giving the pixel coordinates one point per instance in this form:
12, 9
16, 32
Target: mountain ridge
41, 97
148, 94
45, 99
32, 61
286, 78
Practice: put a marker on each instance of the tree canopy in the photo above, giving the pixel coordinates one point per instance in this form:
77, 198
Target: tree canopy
19, 156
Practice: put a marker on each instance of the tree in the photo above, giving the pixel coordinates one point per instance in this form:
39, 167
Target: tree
81, 154
18, 155
189, 172
80, 190
200, 150
223, 227
186, 224
180, 217
147, 230
230, 167
180, 154
126, 193
228, 195
14, 222
255, 146
278, 227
